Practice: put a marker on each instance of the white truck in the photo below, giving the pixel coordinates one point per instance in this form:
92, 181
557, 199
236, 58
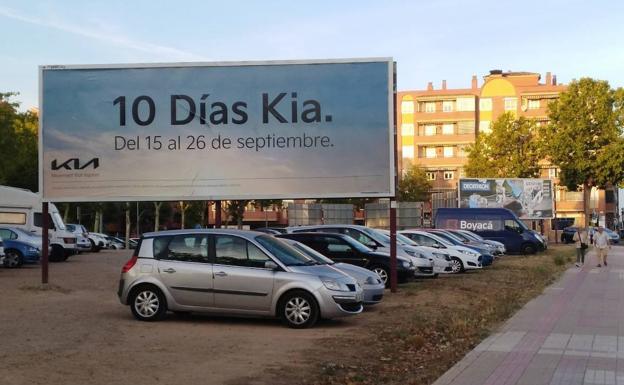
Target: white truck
22, 208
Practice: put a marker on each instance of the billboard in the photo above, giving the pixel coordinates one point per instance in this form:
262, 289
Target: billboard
527, 198
272, 130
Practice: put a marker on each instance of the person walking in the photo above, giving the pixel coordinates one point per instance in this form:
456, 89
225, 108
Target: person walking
601, 243
580, 241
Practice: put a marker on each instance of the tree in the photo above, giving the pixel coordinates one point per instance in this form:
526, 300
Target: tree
157, 206
18, 145
584, 136
510, 150
413, 185
236, 211
264, 204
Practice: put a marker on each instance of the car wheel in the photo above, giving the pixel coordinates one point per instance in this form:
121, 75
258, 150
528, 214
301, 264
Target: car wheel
94, 247
57, 254
13, 259
382, 273
457, 265
298, 309
528, 249
148, 303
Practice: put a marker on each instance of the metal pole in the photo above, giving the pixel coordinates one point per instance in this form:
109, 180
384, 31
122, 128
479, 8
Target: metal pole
45, 243
138, 226
393, 219
217, 214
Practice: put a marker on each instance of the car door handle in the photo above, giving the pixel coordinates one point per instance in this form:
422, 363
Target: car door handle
169, 270
221, 274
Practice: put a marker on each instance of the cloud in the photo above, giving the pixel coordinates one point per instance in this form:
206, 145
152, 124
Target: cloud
106, 37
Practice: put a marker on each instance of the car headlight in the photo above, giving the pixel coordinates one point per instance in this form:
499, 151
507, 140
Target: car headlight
33, 249
439, 256
470, 253
332, 284
406, 264
372, 280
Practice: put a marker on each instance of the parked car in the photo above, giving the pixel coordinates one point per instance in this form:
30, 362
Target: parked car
115, 243
82, 236
441, 260
19, 247
17, 253
22, 209
492, 249
500, 247
372, 285
98, 241
271, 230
233, 272
613, 236
376, 241
487, 258
462, 258
1, 251
497, 224
342, 248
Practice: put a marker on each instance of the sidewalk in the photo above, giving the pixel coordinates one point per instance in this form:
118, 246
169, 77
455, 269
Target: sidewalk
572, 334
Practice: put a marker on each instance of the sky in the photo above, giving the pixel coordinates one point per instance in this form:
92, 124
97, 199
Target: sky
431, 40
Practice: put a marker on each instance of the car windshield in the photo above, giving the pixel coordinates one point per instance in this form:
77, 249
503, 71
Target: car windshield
286, 253
460, 236
320, 258
438, 239
58, 221
453, 240
444, 239
376, 235
356, 245
474, 236
402, 239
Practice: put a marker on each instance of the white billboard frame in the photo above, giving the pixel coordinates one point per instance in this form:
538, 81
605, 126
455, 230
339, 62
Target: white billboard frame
391, 129
533, 218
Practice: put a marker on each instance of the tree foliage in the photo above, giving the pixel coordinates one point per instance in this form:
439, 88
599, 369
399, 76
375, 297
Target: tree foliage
413, 185
511, 149
18, 145
584, 137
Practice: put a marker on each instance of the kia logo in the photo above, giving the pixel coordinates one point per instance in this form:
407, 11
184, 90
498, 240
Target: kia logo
74, 164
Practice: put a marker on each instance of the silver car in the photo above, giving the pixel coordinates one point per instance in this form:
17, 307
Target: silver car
233, 272
372, 285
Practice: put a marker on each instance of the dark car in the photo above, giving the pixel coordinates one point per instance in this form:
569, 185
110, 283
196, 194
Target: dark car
567, 234
343, 248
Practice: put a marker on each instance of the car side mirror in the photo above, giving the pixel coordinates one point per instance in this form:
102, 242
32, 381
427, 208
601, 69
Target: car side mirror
271, 265
372, 245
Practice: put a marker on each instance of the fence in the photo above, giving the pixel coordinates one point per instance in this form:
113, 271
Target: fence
409, 215
317, 214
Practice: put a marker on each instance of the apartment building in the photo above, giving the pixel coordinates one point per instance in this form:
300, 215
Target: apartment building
436, 125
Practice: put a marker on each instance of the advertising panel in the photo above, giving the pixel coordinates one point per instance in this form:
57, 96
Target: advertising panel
527, 198
249, 130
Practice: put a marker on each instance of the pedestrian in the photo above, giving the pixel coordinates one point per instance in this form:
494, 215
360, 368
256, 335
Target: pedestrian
580, 241
601, 243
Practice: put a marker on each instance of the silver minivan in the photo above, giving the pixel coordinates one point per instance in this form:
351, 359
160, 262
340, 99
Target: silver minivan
233, 272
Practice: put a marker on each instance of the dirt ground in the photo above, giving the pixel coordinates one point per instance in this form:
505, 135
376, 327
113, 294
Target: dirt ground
79, 333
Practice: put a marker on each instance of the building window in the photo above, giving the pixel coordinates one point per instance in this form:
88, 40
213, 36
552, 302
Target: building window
448, 129
484, 127
430, 107
466, 104
431, 175
448, 151
609, 196
430, 152
485, 104
408, 152
430, 130
466, 127
407, 107
407, 129
447, 106
511, 104
448, 175
534, 104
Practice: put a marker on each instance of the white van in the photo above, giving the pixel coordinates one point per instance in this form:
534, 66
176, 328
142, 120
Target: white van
22, 208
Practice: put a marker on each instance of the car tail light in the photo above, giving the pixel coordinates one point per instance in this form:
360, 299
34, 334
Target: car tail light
130, 264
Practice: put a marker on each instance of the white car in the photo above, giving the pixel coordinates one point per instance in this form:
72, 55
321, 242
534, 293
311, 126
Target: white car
376, 241
441, 260
99, 241
462, 258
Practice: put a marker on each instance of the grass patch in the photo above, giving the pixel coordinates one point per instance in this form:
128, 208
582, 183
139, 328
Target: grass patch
420, 332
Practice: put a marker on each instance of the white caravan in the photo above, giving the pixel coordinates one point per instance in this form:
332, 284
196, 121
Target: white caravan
22, 208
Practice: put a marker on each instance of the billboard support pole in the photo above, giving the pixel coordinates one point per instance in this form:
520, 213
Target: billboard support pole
217, 215
393, 219
45, 243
